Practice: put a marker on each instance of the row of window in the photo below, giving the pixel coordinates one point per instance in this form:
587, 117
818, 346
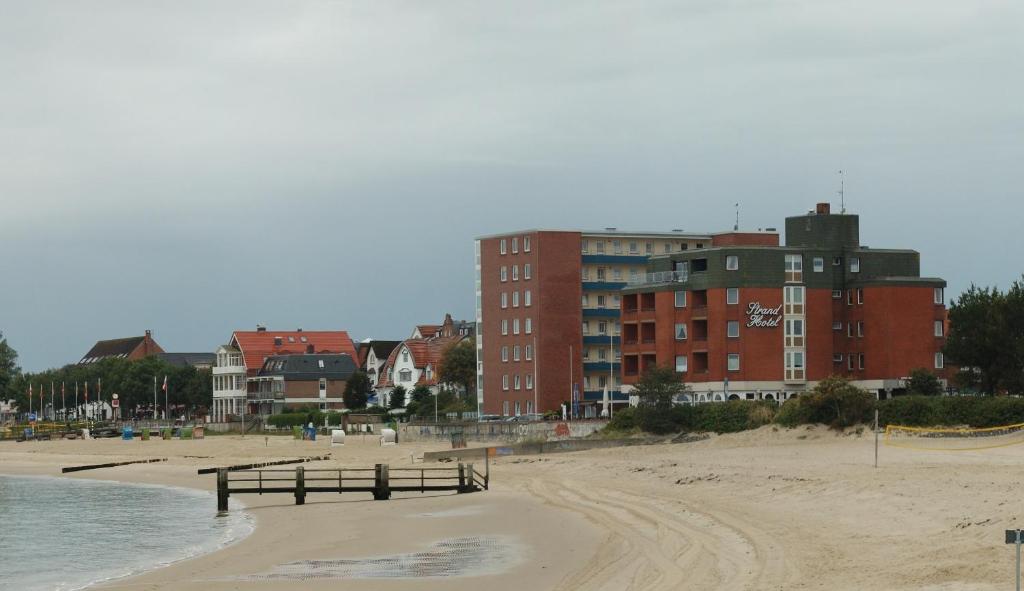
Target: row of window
732, 362
229, 360
222, 383
517, 383
515, 245
528, 350
527, 326
601, 354
527, 299
602, 327
632, 246
598, 382
601, 301
611, 274
515, 272
505, 410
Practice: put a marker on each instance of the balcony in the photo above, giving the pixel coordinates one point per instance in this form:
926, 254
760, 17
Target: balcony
601, 313
614, 259
601, 339
661, 277
601, 366
603, 285
699, 312
265, 396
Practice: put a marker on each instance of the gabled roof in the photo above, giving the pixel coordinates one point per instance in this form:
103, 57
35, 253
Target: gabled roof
257, 345
116, 348
427, 330
188, 359
382, 349
423, 352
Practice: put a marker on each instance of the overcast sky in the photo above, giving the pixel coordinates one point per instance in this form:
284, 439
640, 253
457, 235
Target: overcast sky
198, 167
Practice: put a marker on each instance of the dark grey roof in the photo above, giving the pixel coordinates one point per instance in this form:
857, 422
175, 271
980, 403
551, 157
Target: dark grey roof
112, 348
311, 366
383, 348
187, 359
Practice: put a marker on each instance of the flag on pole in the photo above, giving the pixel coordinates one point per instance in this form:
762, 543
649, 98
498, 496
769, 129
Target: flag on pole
165, 384
87, 391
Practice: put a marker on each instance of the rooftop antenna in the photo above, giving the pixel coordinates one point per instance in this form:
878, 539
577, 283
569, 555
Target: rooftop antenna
736, 228
842, 192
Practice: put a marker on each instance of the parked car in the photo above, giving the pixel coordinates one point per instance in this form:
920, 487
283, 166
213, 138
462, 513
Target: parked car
489, 418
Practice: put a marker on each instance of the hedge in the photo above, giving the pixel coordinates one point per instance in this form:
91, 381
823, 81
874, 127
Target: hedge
291, 419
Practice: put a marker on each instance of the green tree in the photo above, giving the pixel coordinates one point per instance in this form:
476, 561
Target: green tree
923, 383
458, 366
397, 398
9, 369
357, 391
976, 339
658, 389
842, 404
421, 402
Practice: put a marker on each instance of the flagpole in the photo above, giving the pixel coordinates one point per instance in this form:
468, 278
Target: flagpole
99, 397
63, 404
30, 398
53, 409
166, 416
77, 418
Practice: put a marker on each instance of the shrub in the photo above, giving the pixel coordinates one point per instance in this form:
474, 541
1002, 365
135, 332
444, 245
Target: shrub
292, 419
623, 420
834, 402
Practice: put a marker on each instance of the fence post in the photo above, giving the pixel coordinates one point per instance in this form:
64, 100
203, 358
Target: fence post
222, 490
462, 477
487, 469
386, 479
381, 489
300, 486
471, 483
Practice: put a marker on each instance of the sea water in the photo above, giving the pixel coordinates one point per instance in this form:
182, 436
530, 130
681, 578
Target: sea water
60, 534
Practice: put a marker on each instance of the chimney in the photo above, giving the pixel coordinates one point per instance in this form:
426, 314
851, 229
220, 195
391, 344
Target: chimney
309, 349
823, 209
149, 334
298, 329
261, 328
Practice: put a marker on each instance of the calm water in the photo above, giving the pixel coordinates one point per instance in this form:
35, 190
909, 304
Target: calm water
63, 533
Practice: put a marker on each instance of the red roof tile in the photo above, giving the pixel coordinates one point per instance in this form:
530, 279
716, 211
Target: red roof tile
256, 346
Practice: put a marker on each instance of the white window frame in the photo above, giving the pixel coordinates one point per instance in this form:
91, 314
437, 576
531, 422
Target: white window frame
504, 300
526, 271
504, 246
730, 358
504, 326
732, 262
939, 295
529, 381
515, 245
528, 353
677, 294
729, 326
516, 382
504, 273
819, 264
860, 328
504, 382
526, 244
940, 362
855, 264
528, 328
585, 246
515, 326
515, 272
860, 295
794, 268
940, 328
732, 296
515, 299
682, 364
504, 354
685, 332
527, 299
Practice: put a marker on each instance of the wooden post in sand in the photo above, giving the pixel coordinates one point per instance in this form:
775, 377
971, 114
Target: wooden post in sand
876, 438
222, 490
300, 486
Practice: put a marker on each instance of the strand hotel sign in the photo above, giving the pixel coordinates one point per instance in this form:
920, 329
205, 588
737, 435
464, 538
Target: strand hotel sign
760, 317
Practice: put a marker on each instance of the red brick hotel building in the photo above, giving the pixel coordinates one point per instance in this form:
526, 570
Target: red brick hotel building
766, 322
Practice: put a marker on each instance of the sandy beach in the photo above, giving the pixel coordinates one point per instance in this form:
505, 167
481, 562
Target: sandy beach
769, 509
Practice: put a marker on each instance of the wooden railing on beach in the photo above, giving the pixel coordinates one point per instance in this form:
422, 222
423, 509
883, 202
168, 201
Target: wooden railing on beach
381, 481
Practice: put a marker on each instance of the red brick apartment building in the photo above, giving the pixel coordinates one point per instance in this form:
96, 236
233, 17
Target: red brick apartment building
548, 305
758, 321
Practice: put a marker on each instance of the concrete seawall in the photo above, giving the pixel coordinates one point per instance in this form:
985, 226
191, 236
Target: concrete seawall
501, 432
547, 447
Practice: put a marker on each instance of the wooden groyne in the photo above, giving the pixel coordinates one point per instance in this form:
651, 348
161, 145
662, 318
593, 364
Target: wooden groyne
263, 464
381, 481
109, 465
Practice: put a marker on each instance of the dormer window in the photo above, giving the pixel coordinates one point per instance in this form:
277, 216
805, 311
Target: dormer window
405, 356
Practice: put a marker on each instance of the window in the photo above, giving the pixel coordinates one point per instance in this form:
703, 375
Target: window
585, 273
518, 385
732, 329
793, 298
734, 362
680, 299
515, 246
681, 363
849, 297
504, 326
794, 268
586, 300
320, 362
938, 361
504, 408
515, 326
526, 271
732, 262
732, 295
837, 261
794, 365
586, 246
515, 299
405, 356
586, 327
617, 274
837, 294
526, 298
600, 273
529, 352
517, 409
529, 381
837, 358
515, 272
849, 362
615, 302
634, 276
617, 246
837, 325
794, 333
504, 246
819, 264
504, 353
504, 299
405, 375
634, 247
600, 301
504, 382
504, 273
649, 248
939, 296
668, 248
602, 354
854, 265
849, 329
681, 331
526, 244
600, 247
529, 325
860, 361
602, 328
860, 296
939, 328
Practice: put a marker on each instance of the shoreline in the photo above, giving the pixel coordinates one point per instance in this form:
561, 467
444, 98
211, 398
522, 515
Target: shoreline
352, 529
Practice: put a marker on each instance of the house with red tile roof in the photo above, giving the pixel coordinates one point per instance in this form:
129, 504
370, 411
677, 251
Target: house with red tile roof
131, 348
414, 361
246, 351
